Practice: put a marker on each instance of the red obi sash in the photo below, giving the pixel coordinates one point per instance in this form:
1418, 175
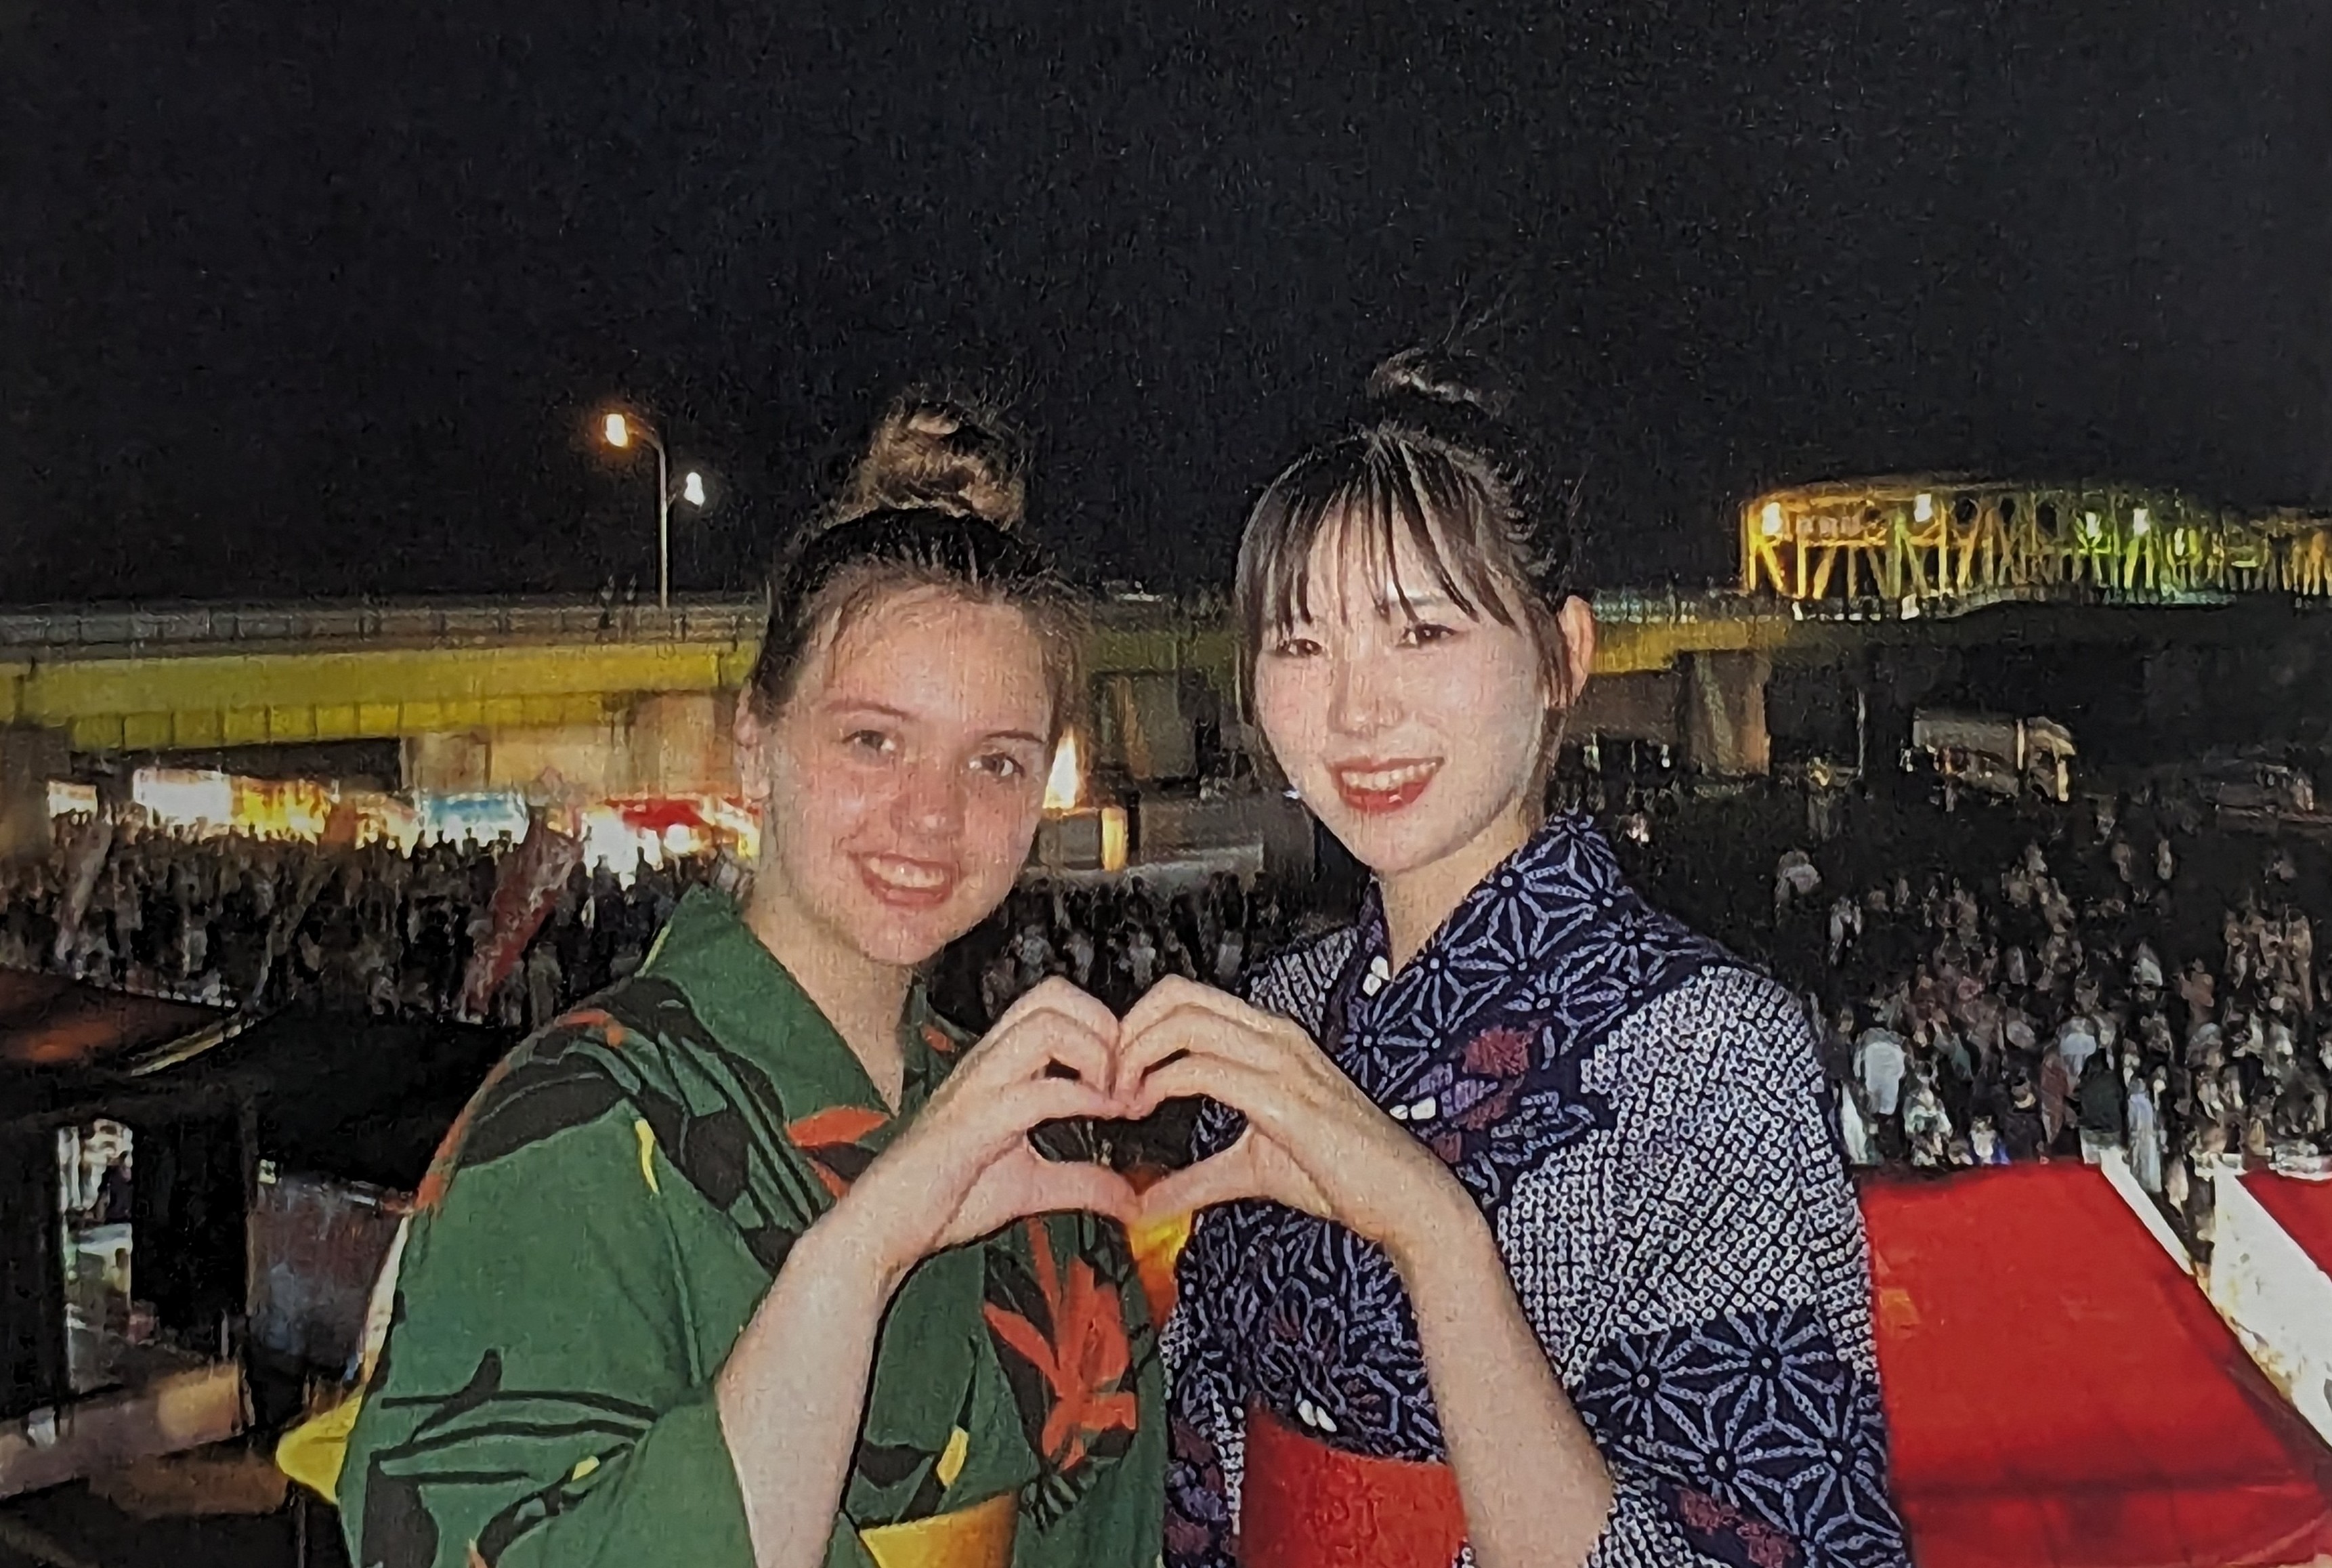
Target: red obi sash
1305, 1505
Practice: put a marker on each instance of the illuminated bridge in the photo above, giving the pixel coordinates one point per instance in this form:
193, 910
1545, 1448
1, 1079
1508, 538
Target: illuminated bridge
487, 694
1941, 540
617, 700
209, 677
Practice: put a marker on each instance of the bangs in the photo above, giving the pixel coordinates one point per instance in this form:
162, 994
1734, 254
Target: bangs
1361, 499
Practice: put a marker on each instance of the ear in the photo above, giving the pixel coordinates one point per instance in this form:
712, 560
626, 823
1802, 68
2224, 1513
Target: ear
1574, 623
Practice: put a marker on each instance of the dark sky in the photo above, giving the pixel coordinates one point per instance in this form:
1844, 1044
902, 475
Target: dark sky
319, 298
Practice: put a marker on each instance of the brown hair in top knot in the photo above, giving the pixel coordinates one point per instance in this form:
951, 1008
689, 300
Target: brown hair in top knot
931, 452
932, 505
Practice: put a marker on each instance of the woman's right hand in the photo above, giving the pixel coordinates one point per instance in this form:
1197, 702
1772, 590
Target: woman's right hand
964, 1168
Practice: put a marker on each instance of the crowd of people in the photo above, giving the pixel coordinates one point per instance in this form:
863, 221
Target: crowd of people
2039, 981
238, 920
1115, 940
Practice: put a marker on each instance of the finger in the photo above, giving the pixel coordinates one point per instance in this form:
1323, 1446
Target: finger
1225, 1178
1031, 1043
1224, 1009
1198, 1031
1261, 1096
972, 1131
1054, 994
1172, 992
1080, 1187
1160, 1035
1026, 1105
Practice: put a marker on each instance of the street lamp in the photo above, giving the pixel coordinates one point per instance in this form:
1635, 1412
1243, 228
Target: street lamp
619, 432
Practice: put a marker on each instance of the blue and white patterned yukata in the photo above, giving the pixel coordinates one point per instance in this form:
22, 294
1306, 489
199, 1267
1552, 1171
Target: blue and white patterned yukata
1642, 1119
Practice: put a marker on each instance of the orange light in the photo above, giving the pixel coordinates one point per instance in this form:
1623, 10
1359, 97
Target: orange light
1063, 784
618, 431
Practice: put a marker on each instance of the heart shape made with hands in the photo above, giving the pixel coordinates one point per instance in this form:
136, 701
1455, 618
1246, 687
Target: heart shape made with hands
1183, 1041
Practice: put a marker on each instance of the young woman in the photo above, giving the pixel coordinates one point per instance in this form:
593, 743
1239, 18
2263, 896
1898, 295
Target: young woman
1558, 1263
737, 1266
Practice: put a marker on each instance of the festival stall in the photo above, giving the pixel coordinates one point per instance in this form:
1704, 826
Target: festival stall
112, 1283
193, 1207
624, 831
2061, 1395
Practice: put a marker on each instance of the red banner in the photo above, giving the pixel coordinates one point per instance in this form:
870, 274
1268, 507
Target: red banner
526, 884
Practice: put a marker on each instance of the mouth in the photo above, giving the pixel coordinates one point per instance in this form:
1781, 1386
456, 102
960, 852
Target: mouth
1375, 789
906, 884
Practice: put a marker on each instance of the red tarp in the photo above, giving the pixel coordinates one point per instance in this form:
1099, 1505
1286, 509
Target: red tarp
2304, 1209
2062, 1396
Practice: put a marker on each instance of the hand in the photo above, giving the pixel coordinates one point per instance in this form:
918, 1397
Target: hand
965, 1168
1314, 1141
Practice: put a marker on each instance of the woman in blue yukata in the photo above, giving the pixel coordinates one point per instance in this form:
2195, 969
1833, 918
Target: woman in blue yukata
1524, 1238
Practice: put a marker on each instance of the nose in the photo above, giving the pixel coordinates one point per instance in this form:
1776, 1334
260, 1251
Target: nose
1361, 700
930, 798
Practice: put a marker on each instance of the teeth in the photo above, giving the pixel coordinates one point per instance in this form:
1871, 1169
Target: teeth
1387, 778
906, 872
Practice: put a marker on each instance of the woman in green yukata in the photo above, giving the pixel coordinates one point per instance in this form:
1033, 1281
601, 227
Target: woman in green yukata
753, 1259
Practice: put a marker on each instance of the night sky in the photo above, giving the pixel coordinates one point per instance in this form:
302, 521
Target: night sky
320, 299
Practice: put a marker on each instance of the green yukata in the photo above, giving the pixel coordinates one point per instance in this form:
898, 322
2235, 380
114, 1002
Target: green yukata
601, 1225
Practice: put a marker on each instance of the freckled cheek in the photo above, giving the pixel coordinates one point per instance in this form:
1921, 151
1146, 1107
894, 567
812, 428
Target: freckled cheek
997, 832
840, 808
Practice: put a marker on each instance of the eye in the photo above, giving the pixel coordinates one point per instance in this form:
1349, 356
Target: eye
1295, 647
1001, 765
873, 743
1425, 634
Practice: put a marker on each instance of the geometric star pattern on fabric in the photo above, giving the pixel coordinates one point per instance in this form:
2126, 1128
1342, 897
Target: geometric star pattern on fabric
1758, 1410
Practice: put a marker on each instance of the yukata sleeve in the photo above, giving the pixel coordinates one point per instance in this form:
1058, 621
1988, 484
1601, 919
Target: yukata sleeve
1205, 1400
537, 1400
1736, 1400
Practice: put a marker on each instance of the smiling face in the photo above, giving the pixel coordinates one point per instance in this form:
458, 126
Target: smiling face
901, 780
1411, 727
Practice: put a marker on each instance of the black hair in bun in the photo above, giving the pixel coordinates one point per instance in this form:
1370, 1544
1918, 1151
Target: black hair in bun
1428, 379
1468, 403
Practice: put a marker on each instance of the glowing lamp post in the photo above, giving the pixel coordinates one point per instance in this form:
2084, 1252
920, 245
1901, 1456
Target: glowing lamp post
620, 432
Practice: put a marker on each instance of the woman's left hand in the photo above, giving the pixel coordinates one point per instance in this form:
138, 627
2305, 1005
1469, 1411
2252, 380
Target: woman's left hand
1314, 1141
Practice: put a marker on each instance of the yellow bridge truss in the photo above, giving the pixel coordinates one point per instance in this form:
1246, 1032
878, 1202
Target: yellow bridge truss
1950, 537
